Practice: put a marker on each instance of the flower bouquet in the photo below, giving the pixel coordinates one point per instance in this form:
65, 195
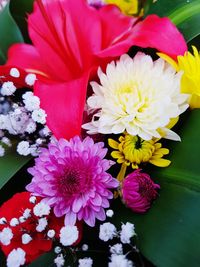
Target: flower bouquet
99, 133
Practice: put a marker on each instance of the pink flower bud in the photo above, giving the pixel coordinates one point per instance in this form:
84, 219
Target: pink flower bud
138, 191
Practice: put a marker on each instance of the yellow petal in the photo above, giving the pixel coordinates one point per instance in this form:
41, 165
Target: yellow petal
172, 62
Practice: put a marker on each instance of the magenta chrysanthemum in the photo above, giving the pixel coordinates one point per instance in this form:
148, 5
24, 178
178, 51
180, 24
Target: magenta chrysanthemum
72, 178
138, 191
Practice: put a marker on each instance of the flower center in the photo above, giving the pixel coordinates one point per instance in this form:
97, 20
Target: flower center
146, 188
70, 181
135, 148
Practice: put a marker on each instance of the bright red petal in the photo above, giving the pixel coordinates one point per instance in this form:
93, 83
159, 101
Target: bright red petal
161, 34
64, 105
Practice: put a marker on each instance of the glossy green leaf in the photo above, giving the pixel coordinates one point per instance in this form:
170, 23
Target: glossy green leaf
45, 260
184, 13
10, 164
168, 235
9, 33
20, 10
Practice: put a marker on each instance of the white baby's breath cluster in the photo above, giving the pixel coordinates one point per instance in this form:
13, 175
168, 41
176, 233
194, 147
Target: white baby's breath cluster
16, 258
68, 235
24, 119
136, 95
108, 231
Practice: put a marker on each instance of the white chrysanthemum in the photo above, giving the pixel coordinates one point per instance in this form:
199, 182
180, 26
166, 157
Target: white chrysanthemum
136, 95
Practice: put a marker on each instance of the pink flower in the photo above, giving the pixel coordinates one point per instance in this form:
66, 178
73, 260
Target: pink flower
70, 40
71, 176
138, 191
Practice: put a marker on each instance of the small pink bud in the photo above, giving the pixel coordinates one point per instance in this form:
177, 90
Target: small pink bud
138, 191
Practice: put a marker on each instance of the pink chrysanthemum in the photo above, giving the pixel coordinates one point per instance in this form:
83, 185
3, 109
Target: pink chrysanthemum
71, 176
138, 191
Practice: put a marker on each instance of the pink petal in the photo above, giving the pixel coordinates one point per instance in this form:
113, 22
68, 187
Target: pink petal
64, 104
70, 218
26, 57
159, 33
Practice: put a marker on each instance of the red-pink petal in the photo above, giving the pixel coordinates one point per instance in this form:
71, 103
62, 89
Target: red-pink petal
25, 57
64, 105
161, 34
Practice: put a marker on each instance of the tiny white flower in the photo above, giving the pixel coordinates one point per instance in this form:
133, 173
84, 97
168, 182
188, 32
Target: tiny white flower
5, 236
23, 148
119, 261
41, 209
6, 141
30, 79
14, 222
31, 127
16, 258
32, 103
68, 235
57, 250
42, 224
3, 122
26, 238
116, 249
109, 213
34, 150
22, 219
107, 231
39, 116
2, 151
27, 213
32, 199
45, 131
84, 247
59, 260
27, 95
39, 141
3, 220
85, 262
8, 88
14, 72
51, 233
127, 231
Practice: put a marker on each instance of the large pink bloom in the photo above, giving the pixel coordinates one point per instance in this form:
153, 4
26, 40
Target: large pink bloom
70, 40
72, 177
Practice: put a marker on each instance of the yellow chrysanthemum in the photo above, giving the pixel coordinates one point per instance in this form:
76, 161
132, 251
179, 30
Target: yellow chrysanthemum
132, 150
128, 7
190, 82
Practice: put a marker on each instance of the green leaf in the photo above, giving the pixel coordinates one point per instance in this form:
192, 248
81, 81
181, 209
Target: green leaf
45, 260
168, 235
10, 164
9, 33
20, 10
185, 14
